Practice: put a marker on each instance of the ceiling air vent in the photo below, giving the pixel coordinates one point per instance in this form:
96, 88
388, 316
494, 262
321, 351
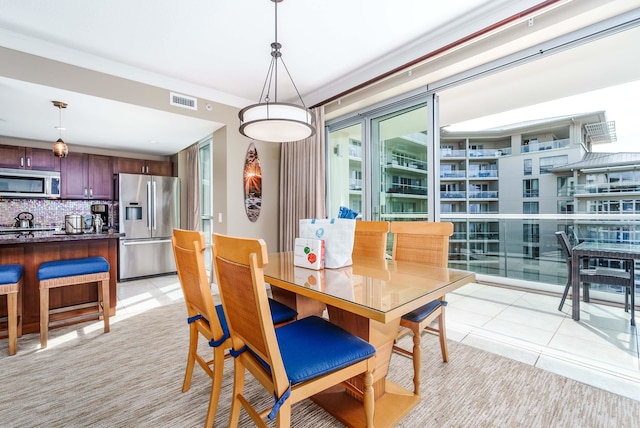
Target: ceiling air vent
183, 101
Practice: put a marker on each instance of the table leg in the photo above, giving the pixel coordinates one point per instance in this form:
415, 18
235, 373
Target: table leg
575, 286
632, 272
393, 402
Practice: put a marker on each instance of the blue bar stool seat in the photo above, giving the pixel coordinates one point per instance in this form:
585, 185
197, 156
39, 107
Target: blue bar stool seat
11, 286
62, 273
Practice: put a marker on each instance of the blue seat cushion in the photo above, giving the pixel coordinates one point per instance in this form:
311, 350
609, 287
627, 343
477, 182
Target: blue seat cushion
424, 311
10, 274
312, 347
281, 312
72, 267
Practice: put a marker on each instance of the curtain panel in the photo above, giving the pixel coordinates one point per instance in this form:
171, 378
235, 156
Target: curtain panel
302, 182
193, 187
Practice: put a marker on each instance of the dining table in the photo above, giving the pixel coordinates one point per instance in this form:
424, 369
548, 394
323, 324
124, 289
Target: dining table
605, 250
368, 299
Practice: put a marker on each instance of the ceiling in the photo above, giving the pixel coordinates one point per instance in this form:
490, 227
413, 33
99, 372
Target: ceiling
213, 50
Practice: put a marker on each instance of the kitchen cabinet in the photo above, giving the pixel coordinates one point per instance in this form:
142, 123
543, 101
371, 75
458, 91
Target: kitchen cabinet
86, 176
28, 158
142, 166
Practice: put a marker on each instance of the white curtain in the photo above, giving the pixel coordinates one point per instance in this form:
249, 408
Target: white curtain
193, 187
302, 182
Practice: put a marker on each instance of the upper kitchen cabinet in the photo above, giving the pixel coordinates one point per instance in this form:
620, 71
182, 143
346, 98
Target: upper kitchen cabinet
86, 176
141, 166
28, 158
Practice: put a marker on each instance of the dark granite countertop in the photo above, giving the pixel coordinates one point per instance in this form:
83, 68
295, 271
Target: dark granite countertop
52, 236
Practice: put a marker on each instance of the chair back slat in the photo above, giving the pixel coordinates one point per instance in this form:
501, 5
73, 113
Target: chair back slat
421, 242
370, 239
239, 264
188, 249
565, 246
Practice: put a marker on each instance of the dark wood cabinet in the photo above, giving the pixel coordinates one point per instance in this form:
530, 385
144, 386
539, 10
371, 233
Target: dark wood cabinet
28, 158
86, 176
141, 166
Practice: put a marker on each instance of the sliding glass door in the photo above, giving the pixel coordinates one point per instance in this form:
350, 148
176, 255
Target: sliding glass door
381, 162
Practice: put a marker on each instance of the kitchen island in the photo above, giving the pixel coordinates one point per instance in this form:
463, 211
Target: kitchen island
30, 249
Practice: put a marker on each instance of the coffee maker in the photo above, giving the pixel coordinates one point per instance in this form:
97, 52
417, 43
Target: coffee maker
103, 211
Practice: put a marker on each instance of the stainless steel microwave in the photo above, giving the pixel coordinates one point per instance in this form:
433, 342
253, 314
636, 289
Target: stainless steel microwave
21, 183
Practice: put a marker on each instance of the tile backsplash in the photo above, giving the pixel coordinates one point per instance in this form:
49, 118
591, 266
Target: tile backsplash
50, 212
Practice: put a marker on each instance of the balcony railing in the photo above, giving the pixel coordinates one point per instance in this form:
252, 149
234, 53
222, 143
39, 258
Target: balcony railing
453, 174
487, 194
524, 249
623, 187
493, 173
459, 194
545, 145
448, 153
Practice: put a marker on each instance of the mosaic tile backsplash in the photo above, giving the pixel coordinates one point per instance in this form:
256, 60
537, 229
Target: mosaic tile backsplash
50, 212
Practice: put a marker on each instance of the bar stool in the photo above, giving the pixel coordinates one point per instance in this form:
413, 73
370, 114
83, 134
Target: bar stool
62, 273
11, 286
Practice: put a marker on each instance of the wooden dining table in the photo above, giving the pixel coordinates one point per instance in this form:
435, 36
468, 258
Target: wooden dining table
367, 299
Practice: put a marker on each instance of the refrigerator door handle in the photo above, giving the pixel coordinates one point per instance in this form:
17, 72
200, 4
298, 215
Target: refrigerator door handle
149, 207
155, 208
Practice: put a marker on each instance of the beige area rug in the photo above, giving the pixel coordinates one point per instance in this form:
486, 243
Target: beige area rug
132, 377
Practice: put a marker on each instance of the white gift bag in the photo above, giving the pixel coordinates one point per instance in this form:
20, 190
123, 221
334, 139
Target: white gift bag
337, 234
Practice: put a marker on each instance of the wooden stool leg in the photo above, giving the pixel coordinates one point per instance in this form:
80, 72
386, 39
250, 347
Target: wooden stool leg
106, 307
44, 316
12, 310
20, 309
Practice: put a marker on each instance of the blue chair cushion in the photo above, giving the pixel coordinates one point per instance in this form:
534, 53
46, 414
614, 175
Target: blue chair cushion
424, 311
72, 267
312, 347
10, 274
281, 312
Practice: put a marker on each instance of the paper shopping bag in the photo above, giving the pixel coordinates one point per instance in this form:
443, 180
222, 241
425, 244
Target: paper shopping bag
337, 234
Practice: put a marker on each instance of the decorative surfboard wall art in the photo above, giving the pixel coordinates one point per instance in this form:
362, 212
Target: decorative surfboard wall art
252, 184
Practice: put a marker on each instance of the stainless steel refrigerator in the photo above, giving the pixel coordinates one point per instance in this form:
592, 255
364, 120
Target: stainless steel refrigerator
149, 209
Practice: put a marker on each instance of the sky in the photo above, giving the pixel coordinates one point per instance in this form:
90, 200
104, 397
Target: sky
621, 104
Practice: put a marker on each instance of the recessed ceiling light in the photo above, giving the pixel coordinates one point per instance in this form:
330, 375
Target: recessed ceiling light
152, 141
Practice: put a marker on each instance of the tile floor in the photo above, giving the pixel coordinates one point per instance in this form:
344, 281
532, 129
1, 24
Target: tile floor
601, 349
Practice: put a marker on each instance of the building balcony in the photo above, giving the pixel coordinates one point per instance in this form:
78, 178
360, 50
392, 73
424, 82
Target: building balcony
453, 195
493, 173
453, 174
588, 190
546, 145
487, 194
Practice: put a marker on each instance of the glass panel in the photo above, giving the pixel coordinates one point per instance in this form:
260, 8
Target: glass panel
400, 142
206, 198
345, 169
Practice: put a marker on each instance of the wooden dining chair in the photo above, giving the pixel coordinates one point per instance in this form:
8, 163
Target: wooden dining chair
292, 362
426, 243
370, 239
204, 317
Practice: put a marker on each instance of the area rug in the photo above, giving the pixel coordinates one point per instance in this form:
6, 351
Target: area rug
132, 377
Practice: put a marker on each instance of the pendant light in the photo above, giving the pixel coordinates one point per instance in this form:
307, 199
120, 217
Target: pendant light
270, 120
60, 149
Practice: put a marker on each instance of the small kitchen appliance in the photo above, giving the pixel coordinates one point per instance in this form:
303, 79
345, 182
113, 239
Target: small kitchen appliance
24, 220
103, 211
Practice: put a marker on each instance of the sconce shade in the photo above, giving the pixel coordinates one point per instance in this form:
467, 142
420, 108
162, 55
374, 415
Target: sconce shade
60, 149
276, 122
